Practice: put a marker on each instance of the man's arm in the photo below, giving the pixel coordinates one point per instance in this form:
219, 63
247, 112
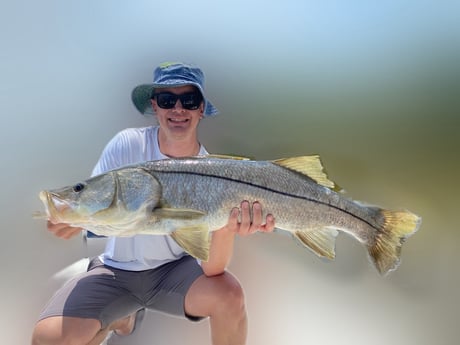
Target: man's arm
222, 241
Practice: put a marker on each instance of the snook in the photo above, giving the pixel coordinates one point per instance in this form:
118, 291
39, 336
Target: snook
187, 198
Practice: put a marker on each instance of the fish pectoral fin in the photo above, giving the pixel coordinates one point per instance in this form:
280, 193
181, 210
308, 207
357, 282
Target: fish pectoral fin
177, 213
309, 166
194, 239
321, 241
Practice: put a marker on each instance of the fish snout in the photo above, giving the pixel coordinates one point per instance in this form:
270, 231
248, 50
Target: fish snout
54, 205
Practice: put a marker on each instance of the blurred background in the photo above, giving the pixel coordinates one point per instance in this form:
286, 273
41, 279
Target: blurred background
371, 87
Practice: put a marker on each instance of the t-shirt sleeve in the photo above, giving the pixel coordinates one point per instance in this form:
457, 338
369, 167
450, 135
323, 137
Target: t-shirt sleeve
117, 153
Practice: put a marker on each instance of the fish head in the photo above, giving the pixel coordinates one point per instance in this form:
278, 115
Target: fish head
114, 199
80, 200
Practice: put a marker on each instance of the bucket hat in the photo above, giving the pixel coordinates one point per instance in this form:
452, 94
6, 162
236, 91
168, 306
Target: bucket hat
171, 74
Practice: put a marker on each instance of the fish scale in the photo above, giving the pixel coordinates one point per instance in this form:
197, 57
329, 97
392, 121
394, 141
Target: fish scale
226, 183
187, 198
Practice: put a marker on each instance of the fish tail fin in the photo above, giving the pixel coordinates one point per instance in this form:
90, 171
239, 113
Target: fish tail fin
385, 250
194, 239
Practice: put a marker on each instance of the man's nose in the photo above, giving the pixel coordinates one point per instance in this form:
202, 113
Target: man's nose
178, 106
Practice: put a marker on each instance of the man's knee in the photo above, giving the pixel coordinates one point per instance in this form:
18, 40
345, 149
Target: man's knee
231, 294
47, 332
63, 330
217, 295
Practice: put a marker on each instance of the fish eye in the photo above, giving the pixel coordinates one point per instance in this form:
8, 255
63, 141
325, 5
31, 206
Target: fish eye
78, 187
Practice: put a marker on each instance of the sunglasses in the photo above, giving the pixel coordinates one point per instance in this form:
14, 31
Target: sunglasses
189, 100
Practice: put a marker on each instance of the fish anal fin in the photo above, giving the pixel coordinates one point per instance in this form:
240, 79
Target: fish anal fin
321, 241
310, 166
194, 239
177, 213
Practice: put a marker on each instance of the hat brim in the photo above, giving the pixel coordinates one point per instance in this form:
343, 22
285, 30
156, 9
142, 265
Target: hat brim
142, 95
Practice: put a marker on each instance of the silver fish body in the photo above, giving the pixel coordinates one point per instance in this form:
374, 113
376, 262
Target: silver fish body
188, 197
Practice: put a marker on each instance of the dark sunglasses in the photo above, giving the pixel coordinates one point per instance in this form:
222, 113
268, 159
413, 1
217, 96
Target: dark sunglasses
189, 100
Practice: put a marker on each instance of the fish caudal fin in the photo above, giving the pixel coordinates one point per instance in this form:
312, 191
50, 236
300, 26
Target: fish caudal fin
194, 239
385, 251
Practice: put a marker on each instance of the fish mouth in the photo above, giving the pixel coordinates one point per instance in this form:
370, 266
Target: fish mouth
56, 208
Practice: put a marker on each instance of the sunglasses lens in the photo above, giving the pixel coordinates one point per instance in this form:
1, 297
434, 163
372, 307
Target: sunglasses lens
189, 101
166, 100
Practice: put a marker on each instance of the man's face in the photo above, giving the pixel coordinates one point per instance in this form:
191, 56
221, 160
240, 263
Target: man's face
178, 121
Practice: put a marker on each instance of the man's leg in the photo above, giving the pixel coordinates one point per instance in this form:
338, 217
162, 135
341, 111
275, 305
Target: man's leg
65, 330
86, 308
73, 330
222, 299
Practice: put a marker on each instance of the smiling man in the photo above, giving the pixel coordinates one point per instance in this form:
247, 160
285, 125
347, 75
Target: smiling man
150, 271
178, 127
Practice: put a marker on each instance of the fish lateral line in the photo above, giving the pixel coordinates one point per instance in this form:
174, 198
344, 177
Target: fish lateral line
273, 191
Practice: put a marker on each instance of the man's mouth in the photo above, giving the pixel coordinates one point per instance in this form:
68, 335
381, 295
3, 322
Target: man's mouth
176, 120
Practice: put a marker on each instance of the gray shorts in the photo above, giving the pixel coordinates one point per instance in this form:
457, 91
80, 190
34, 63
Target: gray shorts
107, 294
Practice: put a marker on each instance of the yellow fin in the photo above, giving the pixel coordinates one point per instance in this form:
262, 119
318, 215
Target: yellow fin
385, 250
177, 213
194, 239
214, 155
310, 166
321, 241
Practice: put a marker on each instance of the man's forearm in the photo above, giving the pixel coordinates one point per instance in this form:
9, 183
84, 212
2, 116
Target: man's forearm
220, 253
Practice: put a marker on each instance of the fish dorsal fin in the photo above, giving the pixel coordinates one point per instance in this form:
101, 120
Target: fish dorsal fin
194, 239
241, 158
309, 166
321, 241
177, 213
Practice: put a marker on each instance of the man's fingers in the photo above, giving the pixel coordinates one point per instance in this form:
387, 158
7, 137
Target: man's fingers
63, 230
233, 220
256, 217
269, 225
248, 219
245, 222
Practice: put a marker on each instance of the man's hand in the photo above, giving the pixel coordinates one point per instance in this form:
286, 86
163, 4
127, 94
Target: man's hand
63, 230
240, 220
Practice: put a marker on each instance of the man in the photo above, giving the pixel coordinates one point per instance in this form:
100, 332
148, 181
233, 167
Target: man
147, 271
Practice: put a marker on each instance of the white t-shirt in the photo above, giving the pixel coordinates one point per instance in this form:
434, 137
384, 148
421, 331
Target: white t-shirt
139, 252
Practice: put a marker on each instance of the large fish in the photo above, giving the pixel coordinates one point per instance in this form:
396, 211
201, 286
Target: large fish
189, 197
